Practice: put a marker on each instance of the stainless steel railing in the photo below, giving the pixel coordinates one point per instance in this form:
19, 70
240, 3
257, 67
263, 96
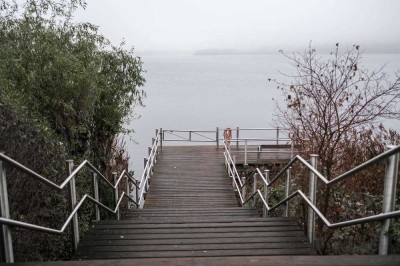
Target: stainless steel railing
149, 164
135, 196
392, 159
276, 136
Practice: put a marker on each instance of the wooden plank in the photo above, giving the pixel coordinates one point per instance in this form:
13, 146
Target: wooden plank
371, 260
196, 247
194, 253
177, 220
194, 225
182, 241
187, 230
196, 235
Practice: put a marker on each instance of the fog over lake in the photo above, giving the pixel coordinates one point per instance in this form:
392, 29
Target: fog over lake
205, 92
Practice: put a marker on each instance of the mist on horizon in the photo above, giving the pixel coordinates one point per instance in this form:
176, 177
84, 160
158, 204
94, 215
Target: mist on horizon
257, 26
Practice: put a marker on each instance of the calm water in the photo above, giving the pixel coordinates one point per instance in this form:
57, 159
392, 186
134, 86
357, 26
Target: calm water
203, 92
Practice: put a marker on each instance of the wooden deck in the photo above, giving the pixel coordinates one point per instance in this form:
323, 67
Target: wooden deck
270, 154
190, 177
191, 211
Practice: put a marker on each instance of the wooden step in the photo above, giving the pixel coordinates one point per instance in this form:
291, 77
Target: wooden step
183, 238
370, 260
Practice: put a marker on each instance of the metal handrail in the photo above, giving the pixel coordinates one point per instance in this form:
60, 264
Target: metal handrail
6, 220
50, 183
389, 193
150, 162
13, 222
217, 139
372, 218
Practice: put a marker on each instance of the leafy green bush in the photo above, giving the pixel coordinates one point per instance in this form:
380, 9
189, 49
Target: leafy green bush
66, 93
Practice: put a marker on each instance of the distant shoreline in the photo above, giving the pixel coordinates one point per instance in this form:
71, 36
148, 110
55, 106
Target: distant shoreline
216, 52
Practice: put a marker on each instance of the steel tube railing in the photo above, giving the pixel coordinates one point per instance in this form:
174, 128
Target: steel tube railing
188, 135
7, 247
5, 219
388, 212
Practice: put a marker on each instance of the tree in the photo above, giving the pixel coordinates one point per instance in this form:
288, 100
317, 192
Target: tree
331, 103
66, 93
69, 75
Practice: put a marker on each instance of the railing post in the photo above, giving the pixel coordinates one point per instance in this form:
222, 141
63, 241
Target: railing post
287, 191
161, 138
292, 149
245, 153
128, 192
237, 138
146, 183
265, 211
254, 188
277, 136
258, 153
116, 196
137, 190
7, 247
389, 197
244, 188
217, 137
96, 196
312, 195
72, 194
157, 136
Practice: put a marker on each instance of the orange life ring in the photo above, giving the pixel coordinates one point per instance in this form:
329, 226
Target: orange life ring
228, 135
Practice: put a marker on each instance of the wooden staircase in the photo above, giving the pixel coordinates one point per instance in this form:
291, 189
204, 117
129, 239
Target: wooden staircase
191, 211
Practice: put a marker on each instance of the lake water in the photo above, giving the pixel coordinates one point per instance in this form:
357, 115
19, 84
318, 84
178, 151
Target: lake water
205, 92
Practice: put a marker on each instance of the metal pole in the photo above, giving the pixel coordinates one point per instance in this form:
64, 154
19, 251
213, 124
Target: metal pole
157, 132
237, 138
265, 211
287, 191
244, 188
161, 138
277, 136
116, 196
128, 192
190, 135
245, 153
72, 194
233, 173
147, 170
292, 150
136, 193
96, 196
312, 192
258, 153
254, 188
217, 138
389, 197
7, 247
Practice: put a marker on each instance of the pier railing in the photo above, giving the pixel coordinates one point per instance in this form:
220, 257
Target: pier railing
391, 158
239, 136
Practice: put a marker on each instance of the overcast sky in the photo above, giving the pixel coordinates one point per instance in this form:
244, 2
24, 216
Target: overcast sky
190, 25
